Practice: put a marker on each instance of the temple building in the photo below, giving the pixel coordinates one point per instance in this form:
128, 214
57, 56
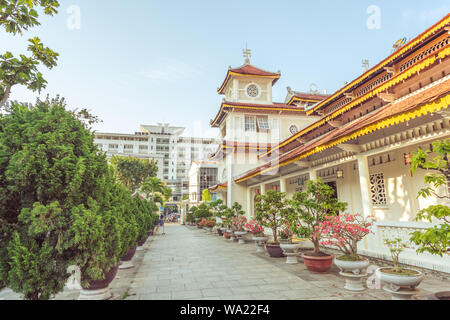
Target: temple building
358, 139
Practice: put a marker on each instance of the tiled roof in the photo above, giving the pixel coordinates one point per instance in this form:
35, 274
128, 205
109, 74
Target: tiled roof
385, 112
248, 70
260, 108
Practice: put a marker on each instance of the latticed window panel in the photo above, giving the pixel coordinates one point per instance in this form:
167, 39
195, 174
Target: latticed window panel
378, 189
250, 124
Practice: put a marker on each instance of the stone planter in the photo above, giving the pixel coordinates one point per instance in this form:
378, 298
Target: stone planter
355, 267
396, 282
99, 289
318, 264
274, 250
444, 295
353, 273
239, 235
260, 243
290, 250
126, 262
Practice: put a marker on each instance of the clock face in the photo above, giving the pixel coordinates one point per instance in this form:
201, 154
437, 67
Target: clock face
293, 129
252, 91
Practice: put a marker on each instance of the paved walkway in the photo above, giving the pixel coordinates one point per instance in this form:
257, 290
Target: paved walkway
188, 263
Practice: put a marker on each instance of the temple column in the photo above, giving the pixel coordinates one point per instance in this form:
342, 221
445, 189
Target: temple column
249, 203
283, 185
262, 188
364, 183
312, 174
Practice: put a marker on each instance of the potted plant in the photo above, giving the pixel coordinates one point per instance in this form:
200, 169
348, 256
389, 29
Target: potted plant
271, 209
397, 277
344, 232
239, 223
309, 209
290, 250
257, 232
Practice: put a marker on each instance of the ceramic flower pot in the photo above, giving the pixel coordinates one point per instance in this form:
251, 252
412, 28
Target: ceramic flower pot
126, 260
220, 232
396, 281
444, 295
355, 267
318, 264
99, 289
274, 250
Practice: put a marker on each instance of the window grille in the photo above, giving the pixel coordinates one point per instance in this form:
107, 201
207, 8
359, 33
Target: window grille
378, 189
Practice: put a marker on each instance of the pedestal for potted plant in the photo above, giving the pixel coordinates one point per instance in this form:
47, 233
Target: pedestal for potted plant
402, 287
353, 273
99, 289
290, 250
260, 243
126, 261
239, 235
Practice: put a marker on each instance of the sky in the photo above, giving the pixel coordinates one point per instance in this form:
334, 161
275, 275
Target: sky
133, 62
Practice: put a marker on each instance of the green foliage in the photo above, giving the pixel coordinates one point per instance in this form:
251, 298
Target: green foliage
203, 211
132, 172
434, 240
60, 203
237, 209
396, 246
309, 209
271, 210
16, 16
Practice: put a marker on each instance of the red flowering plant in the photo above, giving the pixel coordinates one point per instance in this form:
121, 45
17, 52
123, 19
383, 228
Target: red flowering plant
254, 228
239, 223
286, 233
210, 223
344, 232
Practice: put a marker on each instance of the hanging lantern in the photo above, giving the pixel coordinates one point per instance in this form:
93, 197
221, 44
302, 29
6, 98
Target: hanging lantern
340, 174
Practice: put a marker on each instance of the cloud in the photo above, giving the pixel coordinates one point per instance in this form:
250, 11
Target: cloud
170, 70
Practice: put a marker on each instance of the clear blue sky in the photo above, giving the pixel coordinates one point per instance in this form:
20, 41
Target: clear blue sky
138, 62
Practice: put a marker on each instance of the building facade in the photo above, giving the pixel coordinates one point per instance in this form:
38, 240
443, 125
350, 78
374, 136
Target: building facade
359, 141
164, 143
202, 175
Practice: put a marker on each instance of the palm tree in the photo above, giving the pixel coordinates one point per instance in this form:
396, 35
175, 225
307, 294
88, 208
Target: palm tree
151, 186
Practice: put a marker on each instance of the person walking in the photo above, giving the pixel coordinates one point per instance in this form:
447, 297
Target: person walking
161, 222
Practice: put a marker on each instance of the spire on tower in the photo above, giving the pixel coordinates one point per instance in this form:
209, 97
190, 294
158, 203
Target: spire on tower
247, 53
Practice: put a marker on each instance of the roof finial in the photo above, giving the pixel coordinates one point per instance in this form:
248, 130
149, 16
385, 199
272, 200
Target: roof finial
247, 53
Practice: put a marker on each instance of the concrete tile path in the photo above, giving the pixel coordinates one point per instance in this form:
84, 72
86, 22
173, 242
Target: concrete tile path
190, 264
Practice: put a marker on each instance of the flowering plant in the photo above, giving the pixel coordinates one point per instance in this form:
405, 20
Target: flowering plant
202, 223
238, 223
345, 231
254, 228
285, 232
210, 223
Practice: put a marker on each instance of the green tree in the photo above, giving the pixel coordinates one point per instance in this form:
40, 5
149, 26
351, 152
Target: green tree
132, 172
152, 186
50, 179
271, 209
434, 240
309, 209
15, 17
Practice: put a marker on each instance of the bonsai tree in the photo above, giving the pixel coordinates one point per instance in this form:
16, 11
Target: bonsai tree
238, 223
309, 209
396, 246
344, 232
227, 217
434, 240
203, 211
271, 211
237, 209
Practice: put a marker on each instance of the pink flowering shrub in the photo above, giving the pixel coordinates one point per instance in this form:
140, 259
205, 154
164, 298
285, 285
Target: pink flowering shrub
344, 232
285, 232
238, 223
254, 228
